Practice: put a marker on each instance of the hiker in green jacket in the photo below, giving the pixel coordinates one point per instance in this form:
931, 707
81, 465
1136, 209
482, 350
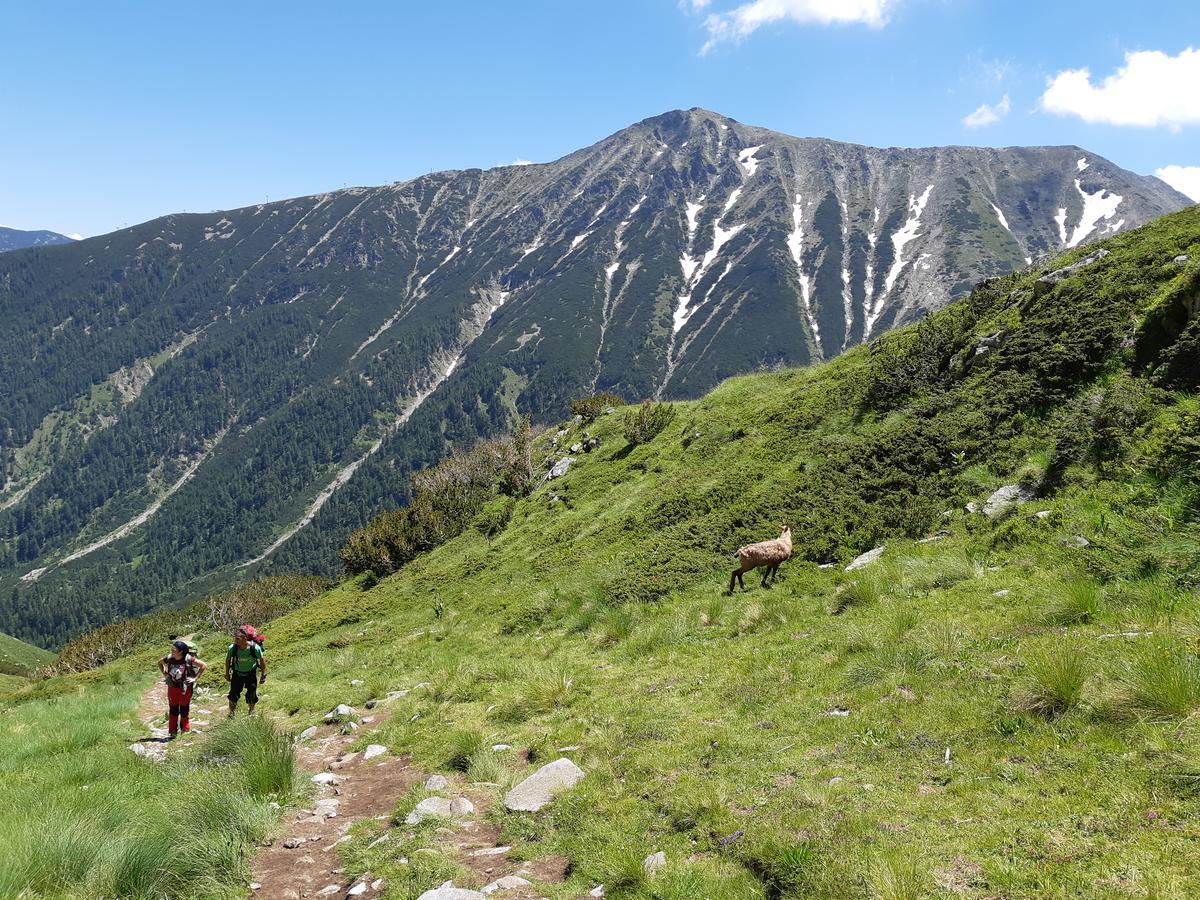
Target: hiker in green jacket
245, 669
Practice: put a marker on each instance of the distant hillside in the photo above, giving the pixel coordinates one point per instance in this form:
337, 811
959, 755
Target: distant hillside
14, 239
19, 658
202, 397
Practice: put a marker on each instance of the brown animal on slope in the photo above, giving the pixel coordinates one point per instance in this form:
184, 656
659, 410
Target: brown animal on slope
769, 555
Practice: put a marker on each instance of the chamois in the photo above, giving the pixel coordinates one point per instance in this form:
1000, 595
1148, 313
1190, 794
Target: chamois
767, 555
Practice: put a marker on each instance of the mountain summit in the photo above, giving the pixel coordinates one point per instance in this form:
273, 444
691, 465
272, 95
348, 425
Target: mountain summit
15, 239
202, 395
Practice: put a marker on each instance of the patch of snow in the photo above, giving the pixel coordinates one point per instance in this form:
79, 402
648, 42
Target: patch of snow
1082, 163
610, 271
453, 253
733, 198
1096, 206
688, 265
532, 247
1061, 220
637, 205
579, 239
900, 240
693, 215
1000, 217
470, 222
747, 160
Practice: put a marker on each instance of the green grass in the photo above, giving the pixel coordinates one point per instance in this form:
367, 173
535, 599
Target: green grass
84, 817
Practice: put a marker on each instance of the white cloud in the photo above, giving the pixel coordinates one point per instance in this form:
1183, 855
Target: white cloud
1185, 179
739, 23
988, 115
1150, 89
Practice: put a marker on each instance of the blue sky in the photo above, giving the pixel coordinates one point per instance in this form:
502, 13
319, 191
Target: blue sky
118, 112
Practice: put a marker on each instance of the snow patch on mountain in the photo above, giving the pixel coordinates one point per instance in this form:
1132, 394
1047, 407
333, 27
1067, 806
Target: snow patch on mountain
1096, 206
900, 240
748, 162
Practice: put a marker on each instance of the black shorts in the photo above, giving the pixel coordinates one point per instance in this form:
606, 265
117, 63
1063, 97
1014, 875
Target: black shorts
249, 682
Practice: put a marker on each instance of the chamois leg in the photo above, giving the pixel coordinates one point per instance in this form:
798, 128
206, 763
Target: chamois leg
774, 574
766, 575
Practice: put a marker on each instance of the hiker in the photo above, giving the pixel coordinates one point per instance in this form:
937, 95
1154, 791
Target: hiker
180, 669
243, 664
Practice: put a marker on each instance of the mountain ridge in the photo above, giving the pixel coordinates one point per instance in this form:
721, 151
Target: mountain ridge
291, 364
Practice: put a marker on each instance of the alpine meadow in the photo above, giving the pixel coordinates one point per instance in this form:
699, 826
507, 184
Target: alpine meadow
975, 676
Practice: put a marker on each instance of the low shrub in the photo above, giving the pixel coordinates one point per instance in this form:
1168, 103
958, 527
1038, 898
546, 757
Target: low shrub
647, 421
591, 408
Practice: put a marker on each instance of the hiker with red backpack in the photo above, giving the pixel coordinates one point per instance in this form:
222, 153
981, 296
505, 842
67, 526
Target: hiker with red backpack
180, 669
245, 667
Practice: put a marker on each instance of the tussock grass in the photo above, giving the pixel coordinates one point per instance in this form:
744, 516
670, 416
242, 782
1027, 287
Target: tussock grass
897, 876
1052, 681
865, 590
1075, 602
1161, 682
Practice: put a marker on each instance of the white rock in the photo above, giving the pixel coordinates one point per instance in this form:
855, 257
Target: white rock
654, 862
255, 886
1002, 593
355, 682
507, 883
500, 748
326, 778
1003, 498
447, 891
491, 851
560, 468
461, 806
435, 807
1043, 514
349, 728
436, 783
972, 507
544, 785
308, 733
1077, 541
326, 809
358, 890
865, 559
597, 891
377, 884
329, 889
374, 750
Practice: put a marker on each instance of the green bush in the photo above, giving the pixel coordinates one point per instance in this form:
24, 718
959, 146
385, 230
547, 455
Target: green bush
647, 421
591, 408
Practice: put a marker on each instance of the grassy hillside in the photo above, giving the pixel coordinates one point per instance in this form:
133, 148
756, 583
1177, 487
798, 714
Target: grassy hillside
18, 658
1001, 706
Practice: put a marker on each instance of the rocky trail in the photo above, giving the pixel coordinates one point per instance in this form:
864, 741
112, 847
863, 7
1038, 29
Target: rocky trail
354, 786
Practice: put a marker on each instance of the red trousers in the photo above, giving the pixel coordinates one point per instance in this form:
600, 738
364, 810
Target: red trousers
180, 701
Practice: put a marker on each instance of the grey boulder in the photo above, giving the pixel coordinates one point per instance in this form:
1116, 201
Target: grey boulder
536, 791
1009, 495
865, 559
447, 891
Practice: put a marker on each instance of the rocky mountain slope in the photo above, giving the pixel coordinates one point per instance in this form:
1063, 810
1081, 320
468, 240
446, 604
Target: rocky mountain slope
15, 239
201, 394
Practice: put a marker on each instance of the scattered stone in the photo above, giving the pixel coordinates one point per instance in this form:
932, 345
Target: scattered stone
326, 778
654, 862
374, 750
139, 748
349, 728
1046, 283
290, 894
972, 507
500, 748
732, 839
292, 843
255, 886
339, 713
327, 808
382, 839
536, 791
1009, 495
436, 783
344, 761
838, 711
1043, 514
1002, 593
308, 733
491, 851
367, 720
329, 889
507, 883
358, 890
569, 749
447, 891
826, 565
560, 468
1078, 541
341, 840
355, 682
371, 704
440, 808
836, 779
597, 891
576, 448
865, 559
1182, 258
939, 536
377, 884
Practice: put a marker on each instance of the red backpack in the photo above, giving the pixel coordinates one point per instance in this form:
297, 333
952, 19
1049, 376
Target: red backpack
254, 635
